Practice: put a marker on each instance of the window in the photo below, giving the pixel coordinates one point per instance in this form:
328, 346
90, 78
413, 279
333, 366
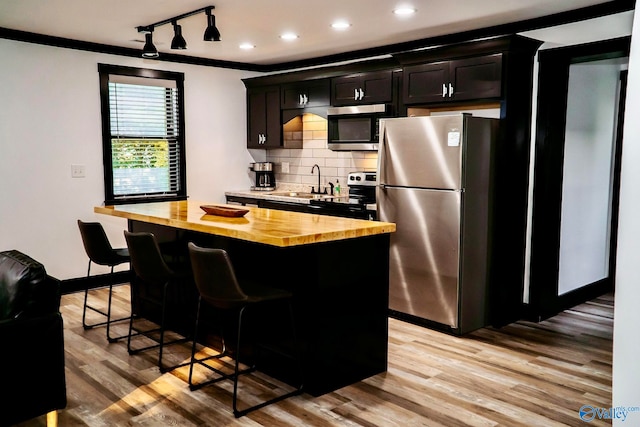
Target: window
142, 134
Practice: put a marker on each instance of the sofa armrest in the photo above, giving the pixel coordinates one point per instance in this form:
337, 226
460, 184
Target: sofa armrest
25, 288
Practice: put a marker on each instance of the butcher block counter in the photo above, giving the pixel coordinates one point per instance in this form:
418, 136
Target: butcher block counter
271, 227
336, 268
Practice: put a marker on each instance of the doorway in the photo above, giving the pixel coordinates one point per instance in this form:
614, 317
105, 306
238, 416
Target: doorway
576, 177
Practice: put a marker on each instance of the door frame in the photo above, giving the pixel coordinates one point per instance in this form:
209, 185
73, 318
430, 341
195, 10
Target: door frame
553, 82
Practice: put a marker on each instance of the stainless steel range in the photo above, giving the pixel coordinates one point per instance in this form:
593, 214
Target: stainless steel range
361, 203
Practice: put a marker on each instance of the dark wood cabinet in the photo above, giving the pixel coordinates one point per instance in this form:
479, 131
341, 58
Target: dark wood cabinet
315, 93
264, 129
456, 80
362, 88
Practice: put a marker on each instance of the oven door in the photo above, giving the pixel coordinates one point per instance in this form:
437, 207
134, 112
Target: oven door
345, 210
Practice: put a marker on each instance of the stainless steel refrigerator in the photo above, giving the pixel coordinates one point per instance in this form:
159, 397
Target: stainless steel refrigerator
435, 183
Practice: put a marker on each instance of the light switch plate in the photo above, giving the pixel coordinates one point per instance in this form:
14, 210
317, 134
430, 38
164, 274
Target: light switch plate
285, 167
77, 171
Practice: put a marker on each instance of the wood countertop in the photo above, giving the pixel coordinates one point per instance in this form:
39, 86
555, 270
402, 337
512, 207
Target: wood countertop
268, 226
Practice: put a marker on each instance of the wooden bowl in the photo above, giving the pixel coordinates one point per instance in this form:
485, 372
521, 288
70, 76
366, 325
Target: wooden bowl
224, 211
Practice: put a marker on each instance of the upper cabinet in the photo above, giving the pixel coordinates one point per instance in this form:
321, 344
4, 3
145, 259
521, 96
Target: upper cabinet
264, 129
305, 94
362, 88
456, 80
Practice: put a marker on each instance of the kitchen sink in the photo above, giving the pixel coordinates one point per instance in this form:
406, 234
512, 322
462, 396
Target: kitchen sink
301, 195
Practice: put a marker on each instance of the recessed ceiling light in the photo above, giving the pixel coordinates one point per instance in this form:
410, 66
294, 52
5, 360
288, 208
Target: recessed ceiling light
404, 10
340, 25
247, 46
289, 36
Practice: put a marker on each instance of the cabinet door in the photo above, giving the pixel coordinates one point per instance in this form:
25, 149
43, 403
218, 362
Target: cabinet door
425, 83
477, 78
263, 118
377, 87
363, 88
344, 90
314, 93
273, 130
256, 118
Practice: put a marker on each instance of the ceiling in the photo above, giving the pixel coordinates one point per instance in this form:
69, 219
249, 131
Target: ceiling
260, 23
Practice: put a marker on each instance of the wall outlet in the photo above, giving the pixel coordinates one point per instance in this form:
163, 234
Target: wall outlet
285, 167
77, 171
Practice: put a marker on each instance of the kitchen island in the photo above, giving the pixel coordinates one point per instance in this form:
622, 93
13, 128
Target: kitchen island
336, 268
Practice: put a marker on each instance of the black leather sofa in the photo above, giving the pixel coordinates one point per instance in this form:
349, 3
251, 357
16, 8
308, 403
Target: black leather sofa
32, 374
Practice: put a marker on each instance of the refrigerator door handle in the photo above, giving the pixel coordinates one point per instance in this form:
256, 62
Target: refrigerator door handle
381, 152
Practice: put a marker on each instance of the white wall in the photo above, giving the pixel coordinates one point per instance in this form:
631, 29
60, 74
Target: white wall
626, 343
50, 118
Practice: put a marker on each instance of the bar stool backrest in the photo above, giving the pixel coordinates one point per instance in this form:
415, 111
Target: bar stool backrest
215, 277
97, 245
146, 259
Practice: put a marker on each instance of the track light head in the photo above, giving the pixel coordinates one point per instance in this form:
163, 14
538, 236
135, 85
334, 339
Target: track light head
178, 41
149, 50
211, 34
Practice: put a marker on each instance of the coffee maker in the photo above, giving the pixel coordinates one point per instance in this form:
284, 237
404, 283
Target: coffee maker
265, 177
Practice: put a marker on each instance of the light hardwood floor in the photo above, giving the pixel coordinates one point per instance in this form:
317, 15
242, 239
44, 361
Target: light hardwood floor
525, 374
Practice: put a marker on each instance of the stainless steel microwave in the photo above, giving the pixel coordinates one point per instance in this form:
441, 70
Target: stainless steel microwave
355, 128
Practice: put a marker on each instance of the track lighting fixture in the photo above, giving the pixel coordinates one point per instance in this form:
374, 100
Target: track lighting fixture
149, 50
211, 34
178, 42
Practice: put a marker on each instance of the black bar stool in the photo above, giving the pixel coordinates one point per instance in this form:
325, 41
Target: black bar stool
218, 287
158, 281
99, 251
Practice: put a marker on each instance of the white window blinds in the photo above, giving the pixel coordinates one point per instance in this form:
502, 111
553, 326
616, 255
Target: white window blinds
145, 143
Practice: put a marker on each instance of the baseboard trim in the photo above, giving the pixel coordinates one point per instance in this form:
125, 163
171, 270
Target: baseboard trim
69, 286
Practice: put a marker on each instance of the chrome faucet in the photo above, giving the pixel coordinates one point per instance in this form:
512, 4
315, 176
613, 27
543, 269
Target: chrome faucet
312, 190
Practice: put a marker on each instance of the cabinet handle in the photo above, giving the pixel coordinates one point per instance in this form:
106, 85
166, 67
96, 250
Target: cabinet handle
355, 95
450, 90
306, 100
361, 94
301, 100
444, 90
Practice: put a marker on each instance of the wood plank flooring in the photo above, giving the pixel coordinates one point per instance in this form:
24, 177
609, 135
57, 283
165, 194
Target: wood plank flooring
525, 374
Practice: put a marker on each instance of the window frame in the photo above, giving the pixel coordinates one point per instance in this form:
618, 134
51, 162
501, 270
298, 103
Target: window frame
105, 70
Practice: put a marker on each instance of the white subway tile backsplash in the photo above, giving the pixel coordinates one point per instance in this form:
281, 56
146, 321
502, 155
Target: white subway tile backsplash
306, 152
324, 152
366, 164
310, 161
354, 154
309, 179
339, 162
334, 165
314, 143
